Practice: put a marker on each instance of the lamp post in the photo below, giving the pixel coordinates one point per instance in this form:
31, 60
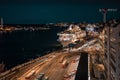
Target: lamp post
104, 12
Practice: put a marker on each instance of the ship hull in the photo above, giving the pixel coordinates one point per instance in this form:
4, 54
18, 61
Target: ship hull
65, 43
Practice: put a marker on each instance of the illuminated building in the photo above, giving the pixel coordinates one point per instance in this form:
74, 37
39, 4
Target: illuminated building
111, 60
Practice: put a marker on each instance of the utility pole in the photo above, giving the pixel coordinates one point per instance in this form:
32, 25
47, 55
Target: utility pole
104, 12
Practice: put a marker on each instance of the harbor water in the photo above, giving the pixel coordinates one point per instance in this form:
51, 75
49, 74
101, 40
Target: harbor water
18, 47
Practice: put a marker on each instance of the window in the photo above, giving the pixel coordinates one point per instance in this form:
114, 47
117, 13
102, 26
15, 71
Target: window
113, 50
112, 57
112, 39
113, 66
105, 42
111, 30
105, 55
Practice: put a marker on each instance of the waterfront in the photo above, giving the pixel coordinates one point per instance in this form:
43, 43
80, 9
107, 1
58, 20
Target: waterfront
21, 46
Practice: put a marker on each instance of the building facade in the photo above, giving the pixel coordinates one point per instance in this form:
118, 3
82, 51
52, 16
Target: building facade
111, 59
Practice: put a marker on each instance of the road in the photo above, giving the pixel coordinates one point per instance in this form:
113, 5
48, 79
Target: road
51, 66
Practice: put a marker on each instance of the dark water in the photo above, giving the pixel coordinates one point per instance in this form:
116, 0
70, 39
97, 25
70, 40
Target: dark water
21, 46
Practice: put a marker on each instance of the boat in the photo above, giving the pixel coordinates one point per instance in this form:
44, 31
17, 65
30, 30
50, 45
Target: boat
71, 35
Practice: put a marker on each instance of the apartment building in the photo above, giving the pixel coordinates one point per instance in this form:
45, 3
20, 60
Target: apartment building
111, 59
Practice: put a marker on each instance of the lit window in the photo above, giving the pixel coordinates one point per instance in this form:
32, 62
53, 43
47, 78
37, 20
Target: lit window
112, 39
111, 30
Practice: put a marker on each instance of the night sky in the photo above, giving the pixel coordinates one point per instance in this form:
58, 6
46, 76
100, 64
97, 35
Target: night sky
52, 11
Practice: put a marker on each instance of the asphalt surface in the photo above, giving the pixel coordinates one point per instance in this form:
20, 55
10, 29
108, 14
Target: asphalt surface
51, 66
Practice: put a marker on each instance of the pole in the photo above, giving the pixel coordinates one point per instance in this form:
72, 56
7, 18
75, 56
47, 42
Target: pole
104, 12
108, 51
104, 17
89, 66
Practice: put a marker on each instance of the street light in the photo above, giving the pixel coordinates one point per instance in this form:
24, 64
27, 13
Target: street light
104, 12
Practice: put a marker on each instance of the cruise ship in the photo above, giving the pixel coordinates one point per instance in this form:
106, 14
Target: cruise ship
71, 35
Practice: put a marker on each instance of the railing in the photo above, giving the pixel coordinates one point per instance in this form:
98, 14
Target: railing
84, 45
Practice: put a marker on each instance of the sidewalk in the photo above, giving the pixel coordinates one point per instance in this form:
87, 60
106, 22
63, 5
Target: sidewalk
71, 71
